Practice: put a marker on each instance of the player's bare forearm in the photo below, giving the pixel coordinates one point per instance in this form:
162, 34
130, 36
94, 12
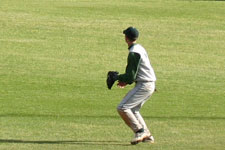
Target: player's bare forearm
121, 84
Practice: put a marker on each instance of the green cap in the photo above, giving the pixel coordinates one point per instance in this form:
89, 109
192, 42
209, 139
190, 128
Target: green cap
132, 33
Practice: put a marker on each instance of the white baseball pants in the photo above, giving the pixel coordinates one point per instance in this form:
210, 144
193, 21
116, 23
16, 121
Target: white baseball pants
131, 104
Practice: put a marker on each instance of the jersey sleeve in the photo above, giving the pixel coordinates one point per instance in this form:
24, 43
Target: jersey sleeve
130, 74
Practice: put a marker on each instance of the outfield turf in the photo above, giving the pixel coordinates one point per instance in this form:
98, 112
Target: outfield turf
54, 56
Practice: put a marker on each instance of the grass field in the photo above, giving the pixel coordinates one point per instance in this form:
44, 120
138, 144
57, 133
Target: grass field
54, 56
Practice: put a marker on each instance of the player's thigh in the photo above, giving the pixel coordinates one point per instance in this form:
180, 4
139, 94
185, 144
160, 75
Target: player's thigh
134, 98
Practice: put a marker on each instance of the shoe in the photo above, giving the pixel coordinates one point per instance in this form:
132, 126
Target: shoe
149, 139
139, 138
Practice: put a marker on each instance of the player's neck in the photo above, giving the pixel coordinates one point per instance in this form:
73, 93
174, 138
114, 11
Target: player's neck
130, 43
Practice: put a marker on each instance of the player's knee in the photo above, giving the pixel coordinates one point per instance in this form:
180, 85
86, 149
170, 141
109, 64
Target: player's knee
119, 108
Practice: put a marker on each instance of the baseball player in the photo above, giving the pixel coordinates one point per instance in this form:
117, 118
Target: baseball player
140, 72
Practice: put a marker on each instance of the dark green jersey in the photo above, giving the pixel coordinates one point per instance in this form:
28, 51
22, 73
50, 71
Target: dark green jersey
130, 74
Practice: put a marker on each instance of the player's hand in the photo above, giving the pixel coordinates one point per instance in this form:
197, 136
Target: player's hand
121, 84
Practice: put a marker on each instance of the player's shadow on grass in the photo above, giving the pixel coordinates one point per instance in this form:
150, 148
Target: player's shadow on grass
119, 143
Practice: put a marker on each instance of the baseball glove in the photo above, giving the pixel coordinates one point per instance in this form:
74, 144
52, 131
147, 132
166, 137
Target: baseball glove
111, 78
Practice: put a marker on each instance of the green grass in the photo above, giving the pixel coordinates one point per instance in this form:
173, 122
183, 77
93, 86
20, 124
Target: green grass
54, 56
